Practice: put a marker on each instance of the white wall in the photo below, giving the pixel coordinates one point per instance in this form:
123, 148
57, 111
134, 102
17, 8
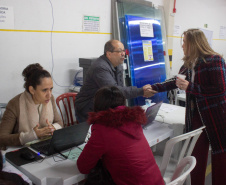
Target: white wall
194, 14
18, 49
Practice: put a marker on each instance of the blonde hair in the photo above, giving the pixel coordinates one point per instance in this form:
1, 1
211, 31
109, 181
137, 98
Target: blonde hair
197, 46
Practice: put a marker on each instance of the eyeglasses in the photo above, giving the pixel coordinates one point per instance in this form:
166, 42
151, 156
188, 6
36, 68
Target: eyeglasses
119, 51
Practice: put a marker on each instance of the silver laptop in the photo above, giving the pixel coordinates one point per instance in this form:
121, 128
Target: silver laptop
151, 113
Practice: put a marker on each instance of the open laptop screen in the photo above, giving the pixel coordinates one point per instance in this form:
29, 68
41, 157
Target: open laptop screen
151, 113
63, 139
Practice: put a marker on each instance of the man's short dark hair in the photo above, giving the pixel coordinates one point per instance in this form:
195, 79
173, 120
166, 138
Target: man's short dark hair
108, 46
108, 97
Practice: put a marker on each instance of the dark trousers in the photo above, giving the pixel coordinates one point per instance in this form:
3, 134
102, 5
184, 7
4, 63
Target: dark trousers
82, 115
218, 168
200, 152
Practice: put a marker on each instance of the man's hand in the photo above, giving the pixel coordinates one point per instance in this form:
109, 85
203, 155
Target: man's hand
148, 86
148, 91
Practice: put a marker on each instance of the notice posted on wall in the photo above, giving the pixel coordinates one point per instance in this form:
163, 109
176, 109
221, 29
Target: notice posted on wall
177, 30
147, 50
6, 17
209, 35
146, 29
222, 34
91, 24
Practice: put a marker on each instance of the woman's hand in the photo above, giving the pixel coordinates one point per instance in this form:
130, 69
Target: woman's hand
182, 84
45, 131
148, 91
50, 126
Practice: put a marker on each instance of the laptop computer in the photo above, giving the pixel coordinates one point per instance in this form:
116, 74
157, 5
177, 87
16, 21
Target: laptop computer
63, 139
151, 113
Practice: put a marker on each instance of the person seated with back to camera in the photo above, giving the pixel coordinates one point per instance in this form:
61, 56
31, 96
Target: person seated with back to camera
117, 138
32, 114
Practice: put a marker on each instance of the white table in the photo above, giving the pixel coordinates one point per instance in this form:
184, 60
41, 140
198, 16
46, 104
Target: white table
170, 114
49, 172
174, 117
65, 172
157, 132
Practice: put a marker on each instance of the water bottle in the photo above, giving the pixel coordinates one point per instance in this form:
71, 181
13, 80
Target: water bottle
148, 102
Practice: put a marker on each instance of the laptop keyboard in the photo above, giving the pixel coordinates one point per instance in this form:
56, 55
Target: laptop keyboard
42, 147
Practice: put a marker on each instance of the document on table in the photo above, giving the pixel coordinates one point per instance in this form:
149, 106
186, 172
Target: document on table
74, 153
168, 108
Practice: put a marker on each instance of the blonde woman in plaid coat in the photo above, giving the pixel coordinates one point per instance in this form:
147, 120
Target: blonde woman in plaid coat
205, 103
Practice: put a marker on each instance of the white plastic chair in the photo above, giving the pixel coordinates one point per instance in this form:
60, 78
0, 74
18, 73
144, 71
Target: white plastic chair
183, 170
167, 164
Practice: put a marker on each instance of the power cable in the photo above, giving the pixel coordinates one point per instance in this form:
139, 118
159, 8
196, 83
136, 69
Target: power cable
51, 46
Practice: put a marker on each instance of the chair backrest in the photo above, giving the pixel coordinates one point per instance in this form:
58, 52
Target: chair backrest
68, 104
189, 139
182, 171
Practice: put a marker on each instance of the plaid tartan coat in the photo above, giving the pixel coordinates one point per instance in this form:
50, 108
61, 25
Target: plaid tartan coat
208, 91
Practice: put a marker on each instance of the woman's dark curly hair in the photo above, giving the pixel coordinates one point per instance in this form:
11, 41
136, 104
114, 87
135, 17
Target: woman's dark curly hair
33, 74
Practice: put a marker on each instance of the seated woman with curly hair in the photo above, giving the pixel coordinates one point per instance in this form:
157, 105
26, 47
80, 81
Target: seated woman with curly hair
32, 114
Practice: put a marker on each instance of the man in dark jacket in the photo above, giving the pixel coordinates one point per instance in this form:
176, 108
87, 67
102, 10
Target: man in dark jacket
106, 71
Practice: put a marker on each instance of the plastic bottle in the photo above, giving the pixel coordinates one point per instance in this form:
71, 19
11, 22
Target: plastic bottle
148, 102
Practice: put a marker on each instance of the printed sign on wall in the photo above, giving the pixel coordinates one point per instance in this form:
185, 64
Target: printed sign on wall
146, 29
91, 24
222, 34
147, 49
6, 17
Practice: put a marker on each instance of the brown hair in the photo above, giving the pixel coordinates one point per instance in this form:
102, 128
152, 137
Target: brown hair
197, 46
108, 97
33, 74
